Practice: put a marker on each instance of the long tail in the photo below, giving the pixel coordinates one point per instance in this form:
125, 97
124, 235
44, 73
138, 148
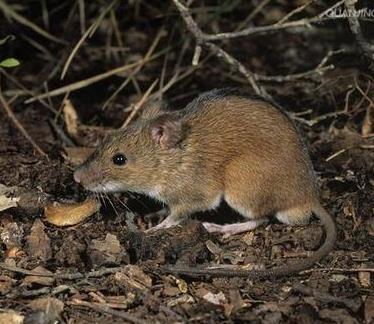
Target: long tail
284, 270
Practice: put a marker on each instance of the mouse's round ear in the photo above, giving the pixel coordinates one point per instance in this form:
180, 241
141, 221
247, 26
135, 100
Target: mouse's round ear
153, 109
166, 130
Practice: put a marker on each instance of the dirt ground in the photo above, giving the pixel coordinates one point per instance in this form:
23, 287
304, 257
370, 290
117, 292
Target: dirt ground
334, 112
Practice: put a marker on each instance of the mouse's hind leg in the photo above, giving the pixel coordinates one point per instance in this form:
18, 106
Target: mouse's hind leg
241, 205
299, 215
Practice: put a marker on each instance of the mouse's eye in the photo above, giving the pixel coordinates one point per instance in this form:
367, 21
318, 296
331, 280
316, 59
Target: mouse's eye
119, 159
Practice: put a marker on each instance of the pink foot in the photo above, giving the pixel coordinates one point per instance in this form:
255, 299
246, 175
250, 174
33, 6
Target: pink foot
166, 223
236, 228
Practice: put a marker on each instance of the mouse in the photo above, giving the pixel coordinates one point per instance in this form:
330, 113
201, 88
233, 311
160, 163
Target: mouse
222, 146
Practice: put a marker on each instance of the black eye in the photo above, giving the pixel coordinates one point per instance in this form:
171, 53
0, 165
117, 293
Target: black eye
119, 159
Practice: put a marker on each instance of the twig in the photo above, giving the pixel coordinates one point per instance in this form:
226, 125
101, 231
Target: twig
15, 121
347, 270
104, 308
90, 31
8, 11
306, 22
142, 62
336, 154
251, 77
325, 297
354, 24
84, 83
68, 276
139, 104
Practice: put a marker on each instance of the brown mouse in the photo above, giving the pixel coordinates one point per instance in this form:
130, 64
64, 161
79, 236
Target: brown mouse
222, 146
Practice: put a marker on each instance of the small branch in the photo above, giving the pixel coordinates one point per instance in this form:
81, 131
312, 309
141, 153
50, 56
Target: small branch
251, 77
104, 308
68, 276
15, 121
281, 25
139, 104
354, 24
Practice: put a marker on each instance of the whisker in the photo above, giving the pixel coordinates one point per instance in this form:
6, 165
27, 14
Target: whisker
114, 208
123, 204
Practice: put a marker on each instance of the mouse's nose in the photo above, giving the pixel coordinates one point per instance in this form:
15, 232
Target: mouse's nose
78, 175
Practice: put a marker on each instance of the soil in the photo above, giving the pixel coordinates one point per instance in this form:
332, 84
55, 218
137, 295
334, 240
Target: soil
341, 147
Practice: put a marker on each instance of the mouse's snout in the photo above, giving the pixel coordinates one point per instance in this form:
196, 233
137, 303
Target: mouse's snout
88, 176
78, 175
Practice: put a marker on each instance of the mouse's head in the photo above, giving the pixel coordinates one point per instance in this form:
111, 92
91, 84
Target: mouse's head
132, 159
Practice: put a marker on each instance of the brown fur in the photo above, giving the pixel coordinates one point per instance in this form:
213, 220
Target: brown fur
221, 146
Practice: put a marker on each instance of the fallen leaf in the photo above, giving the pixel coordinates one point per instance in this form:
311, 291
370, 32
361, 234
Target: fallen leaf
52, 307
339, 316
38, 243
367, 124
70, 214
12, 235
11, 317
71, 118
217, 299
40, 280
5, 285
182, 285
7, 198
184, 299
364, 277
106, 251
132, 277
369, 309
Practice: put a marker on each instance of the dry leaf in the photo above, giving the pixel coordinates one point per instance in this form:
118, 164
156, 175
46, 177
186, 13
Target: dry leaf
184, 299
38, 243
132, 277
367, 124
52, 307
12, 235
70, 214
71, 118
11, 317
7, 198
364, 277
216, 299
369, 309
40, 280
338, 315
5, 285
106, 251
182, 286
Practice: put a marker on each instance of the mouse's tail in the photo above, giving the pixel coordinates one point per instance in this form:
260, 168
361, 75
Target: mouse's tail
284, 270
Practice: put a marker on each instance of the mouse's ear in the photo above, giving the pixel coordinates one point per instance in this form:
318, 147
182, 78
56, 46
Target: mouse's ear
166, 130
153, 109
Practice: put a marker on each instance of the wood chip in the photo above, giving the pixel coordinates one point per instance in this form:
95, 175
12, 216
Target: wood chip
38, 243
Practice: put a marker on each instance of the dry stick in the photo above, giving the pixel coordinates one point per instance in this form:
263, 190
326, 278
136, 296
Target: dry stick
196, 31
90, 31
15, 121
68, 276
27, 91
305, 22
8, 11
104, 308
250, 76
142, 62
83, 83
139, 104
354, 24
